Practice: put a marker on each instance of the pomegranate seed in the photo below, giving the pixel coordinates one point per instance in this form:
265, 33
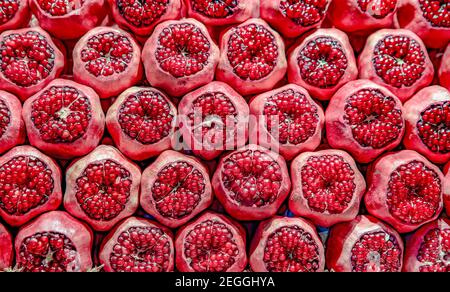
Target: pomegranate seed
214, 8
434, 127
378, 8
8, 9
434, 253
5, 118
437, 12
60, 7
142, 13
304, 12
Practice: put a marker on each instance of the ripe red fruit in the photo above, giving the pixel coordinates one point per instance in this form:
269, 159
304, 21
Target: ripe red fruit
251, 183
65, 119
398, 60
405, 190
444, 70
7, 254
108, 60
14, 14
12, 127
54, 242
284, 244
180, 56
102, 188
252, 57
138, 245
327, 187
364, 245
447, 189
211, 243
364, 119
322, 62
142, 122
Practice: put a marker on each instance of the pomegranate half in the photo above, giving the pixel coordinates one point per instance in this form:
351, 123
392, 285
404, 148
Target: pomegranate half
6, 247
12, 127
14, 14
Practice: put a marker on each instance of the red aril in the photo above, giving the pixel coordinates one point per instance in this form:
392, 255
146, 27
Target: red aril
444, 70
6, 246
12, 127
14, 14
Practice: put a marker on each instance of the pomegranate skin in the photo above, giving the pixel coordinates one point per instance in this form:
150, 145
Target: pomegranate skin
150, 179
81, 237
79, 171
20, 19
444, 69
414, 111
65, 150
270, 227
109, 242
344, 237
6, 246
298, 203
447, 188
14, 132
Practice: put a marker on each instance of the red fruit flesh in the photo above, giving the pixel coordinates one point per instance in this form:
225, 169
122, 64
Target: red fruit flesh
142, 122
102, 188
252, 57
7, 254
175, 188
213, 119
108, 60
364, 245
364, 119
211, 243
405, 190
398, 60
322, 63
68, 19
180, 56
30, 60
251, 183
427, 117
327, 187
12, 127
138, 245
54, 242
65, 119
444, 70
294, 17
284, 244
14, 14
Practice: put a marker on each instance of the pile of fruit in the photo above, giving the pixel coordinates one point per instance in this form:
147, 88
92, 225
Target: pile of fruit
218, 136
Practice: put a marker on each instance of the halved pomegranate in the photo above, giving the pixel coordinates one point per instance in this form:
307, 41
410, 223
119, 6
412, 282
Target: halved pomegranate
447, 189
180, 56
141, 17
284, 244
444, 69
65, 119
102, 188
175, 188
251, 183
6, 246
427, 117
54, 242
138, 245
14, 14
213, 119
364, 119
69, 19
294, 17
327, 187
252, 57
12, 127
398, 60
142, 122
108, 60
405, 190
288, 120
322, 63
211, 243
364, 245
30, 60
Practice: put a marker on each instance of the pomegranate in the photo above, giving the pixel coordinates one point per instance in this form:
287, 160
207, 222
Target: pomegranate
322, 63
175, 188
108, 60
30, 60
364, 119
251, 183
14, 14
444, 70
54, 242
398, 60
69, 19
252, 57
447, 189
294, 17
364, 245
142, 122
102, 188
180, 56
213, 118
64, 119
327, 187
427, 117
141, 17
288, 120
7, 254
405, 190
138, 245
12, 127
284, 244
211, 243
